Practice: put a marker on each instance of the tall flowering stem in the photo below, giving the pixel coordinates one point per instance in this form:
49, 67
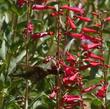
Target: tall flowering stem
58, 78
72, 65
27, 35
104, 69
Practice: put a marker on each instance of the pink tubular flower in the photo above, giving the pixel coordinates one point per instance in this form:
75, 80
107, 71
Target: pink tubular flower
74, 9
83, 36
94, 64
66, 81
98, 25
89, 30
71, 98
57, 13
96, 56
92, 55
71, 23
54, 92
102, 92
20, 3
70, 57
86, 19
95, 13
73, 77
39, 35
90, 46
69, 70
107, 19
52, 95
107, 66
92, 39
89, 89
74, 35
42, 7
29, 28
70, 79
84, 67
38, 7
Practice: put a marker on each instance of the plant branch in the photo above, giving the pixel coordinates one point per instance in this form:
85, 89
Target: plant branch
103, 62
58, 77
26, 44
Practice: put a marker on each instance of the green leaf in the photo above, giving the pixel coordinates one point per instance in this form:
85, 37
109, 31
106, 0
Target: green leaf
96, 104
13, 105
108, 44
1, 100
68, 46
14, 9
93, 81
2, 1
15, 61
3, 49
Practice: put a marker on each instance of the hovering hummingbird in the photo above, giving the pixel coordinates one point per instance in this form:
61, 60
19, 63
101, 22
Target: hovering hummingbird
37, 73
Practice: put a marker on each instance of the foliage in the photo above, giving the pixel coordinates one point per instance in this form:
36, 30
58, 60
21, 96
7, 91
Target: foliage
54, 54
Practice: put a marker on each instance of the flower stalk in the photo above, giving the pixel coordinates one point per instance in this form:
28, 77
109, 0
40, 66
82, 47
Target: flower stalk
27, 35
103, 62
58, 77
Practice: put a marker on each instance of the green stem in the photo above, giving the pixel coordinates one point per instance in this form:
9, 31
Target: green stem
26, 44
58, 78
103, 62
14, 23
108, 60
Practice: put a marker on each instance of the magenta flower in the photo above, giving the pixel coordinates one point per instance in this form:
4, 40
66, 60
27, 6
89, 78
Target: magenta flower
94, 64
84, 67
89, 89
20, 3
40, 35
90, 38
102, 92
90, 46
71, 23
42, 7
74, 35
86, 19
92, 55
89, 30
52, 95
54, 92
70, 58
107, 19
71, 98
57, 13
29, 28
83, 36
74, 9
69, 70
73, 77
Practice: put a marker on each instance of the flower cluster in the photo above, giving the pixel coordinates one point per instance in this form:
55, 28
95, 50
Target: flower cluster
21, 3
90, 40
74, 63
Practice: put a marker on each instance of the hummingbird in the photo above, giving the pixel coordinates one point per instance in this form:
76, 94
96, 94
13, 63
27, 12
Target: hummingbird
37, 73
